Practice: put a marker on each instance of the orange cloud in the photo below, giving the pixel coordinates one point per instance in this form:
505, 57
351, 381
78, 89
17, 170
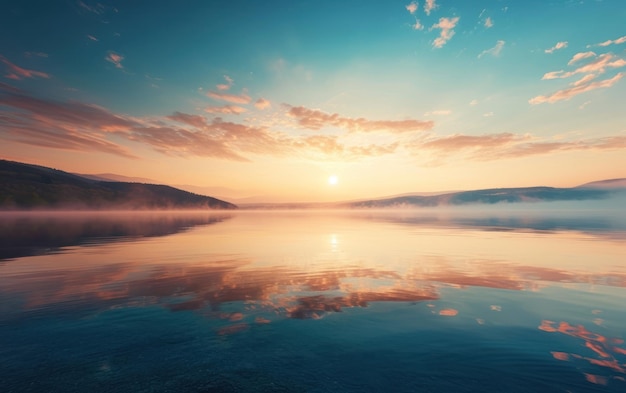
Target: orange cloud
315, 119
115, 58
429, 6
232, 98
411, 7
262, 103
566, 94
620, 40
447, 26
580, 56
17, 73
557, 46
226, 109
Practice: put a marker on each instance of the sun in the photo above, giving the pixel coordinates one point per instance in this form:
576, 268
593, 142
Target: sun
333, 180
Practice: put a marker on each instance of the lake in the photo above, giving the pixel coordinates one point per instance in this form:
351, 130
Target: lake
299, 301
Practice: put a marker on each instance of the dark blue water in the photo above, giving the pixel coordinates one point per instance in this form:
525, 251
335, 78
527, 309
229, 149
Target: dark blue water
340, 302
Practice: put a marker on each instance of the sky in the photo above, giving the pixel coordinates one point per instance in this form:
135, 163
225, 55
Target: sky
307, 101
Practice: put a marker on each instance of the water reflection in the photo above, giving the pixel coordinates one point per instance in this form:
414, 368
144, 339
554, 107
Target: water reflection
244, 272
33, 233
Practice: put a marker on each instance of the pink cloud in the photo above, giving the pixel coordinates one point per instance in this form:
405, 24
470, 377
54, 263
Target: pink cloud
262, 103
446, 25
16, 73
461, 142
225, 86
226, 109
617, 41
557, 46
429, 6
316, 119
580, 56
115, 58
495, 51
232, 98
411, 7
566, 94
192, 120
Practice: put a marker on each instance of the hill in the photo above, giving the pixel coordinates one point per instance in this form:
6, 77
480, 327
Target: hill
605, 184
25, 186
488, 196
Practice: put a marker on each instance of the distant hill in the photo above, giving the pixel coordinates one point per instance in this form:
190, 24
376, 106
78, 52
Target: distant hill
26, 186
605, 184
488, 196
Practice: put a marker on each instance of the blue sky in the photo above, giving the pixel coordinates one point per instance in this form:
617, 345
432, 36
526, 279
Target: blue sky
390, 96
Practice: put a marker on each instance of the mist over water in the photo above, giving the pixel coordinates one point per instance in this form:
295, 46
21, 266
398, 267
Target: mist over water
494, 299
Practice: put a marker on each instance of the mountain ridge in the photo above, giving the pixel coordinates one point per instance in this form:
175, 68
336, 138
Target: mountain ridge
27, 187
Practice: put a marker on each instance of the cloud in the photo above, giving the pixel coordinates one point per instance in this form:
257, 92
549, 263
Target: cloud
473, 102
495, 51
92, 37
461, 142
488, 22
411, 7
232, 98
617, 41
60, 125
16, 73
557, 46
580, 56
87, 128
315, 119
508, 145
598, 66
446, 25
96, 9
488, 114
226, 109
115, 58
417, 25
429, 6
262, 103
225, 86
566, 94
192, 120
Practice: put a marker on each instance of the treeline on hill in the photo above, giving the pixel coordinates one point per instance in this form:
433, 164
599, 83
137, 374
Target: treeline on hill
25, 186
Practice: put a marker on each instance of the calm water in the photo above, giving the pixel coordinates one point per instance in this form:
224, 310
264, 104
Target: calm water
313, 302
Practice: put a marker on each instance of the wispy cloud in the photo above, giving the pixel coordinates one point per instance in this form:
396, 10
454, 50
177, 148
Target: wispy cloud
262, 103
315, 119
16, 73
598, 66
495, 51
225, 86
617, 41
557, 46
447, 26
115, 58
489, 147
411, 7
590, 71
243, 98
417, 25
580, 56
92, 37
96, 9
429, 6
226, 109
568, 93
88, 128
488, 22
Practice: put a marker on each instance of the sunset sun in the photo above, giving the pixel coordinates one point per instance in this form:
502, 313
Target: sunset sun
333, 180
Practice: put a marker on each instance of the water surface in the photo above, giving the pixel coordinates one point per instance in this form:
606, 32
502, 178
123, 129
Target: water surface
313, 302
